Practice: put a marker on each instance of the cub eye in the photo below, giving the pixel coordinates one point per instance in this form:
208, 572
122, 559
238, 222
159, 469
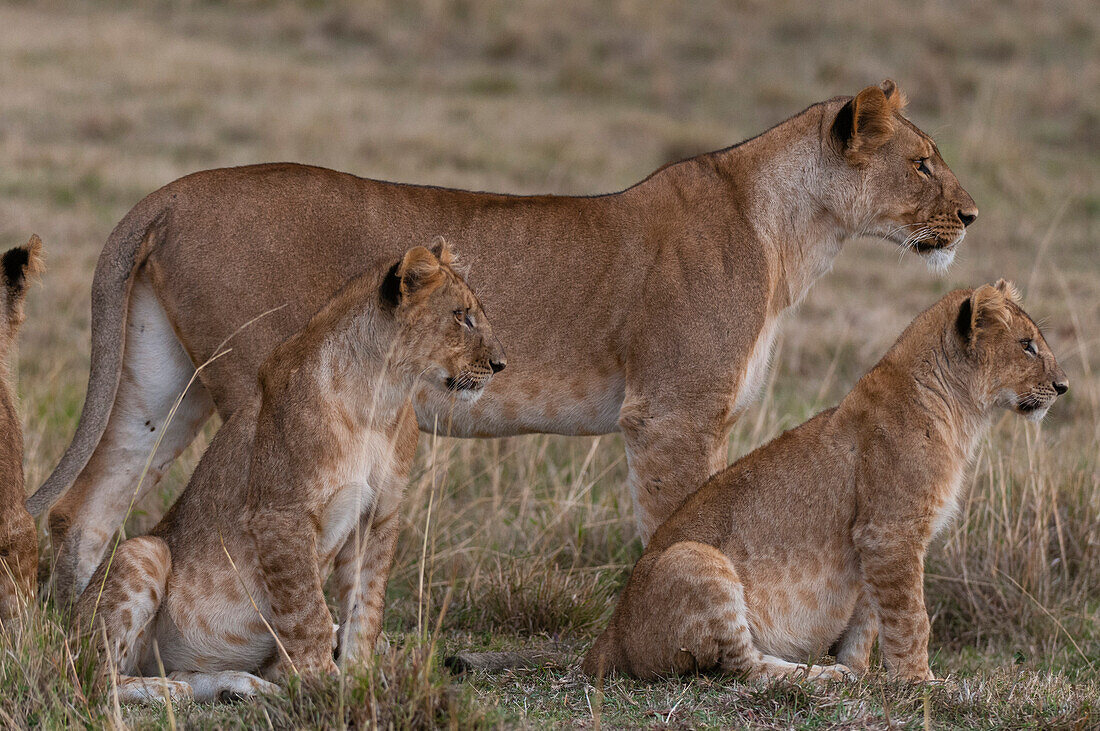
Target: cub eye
923, 168
462, 317
1029, 347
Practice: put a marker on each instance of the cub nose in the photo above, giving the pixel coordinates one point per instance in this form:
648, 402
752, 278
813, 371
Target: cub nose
497, 365
1061, 387
967, 217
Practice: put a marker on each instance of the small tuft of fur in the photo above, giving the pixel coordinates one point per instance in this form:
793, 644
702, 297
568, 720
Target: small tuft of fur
895, 96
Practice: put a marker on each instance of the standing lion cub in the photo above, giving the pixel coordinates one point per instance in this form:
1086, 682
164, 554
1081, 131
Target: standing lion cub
306, 478
819, 537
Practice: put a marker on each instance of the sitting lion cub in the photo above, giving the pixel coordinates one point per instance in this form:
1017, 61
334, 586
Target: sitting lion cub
819, 537
18, 537
307, 477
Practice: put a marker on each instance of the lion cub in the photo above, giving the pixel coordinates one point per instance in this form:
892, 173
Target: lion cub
305, 479
819, 537
18, 537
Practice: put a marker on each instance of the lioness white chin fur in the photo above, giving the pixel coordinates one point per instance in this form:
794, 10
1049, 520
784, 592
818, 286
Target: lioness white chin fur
651, 311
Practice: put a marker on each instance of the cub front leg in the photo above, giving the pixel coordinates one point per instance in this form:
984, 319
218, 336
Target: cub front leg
361, 571
670, 453
291, 575
892, 562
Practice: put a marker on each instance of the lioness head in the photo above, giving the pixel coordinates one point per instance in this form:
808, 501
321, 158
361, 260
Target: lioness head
446, 337
1017, 369
908, 194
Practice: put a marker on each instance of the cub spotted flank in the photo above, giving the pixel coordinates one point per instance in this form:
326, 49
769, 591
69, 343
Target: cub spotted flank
817, 540
303, 481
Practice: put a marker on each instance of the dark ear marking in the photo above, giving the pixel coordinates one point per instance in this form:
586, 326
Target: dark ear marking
15, 267
390, 291
843, 125
962, 322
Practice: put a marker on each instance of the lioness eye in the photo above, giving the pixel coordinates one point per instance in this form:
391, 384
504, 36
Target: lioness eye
462, 317
1029, 347
922, 166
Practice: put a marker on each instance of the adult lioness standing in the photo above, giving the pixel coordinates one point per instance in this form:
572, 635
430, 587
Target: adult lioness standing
652, 310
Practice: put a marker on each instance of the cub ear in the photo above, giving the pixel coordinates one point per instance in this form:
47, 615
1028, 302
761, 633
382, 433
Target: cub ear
442, 251
866, 122
987, 304
418, 269
18, 267
1008, 289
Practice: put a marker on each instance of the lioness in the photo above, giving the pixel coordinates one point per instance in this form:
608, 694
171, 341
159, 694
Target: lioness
18, 537
306, 475
652, 310
819, 537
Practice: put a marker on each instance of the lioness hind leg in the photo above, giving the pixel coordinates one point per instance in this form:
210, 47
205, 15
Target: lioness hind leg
227, 685
120, 602
156, 371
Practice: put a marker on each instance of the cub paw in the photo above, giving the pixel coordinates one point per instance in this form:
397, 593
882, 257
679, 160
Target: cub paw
234, 686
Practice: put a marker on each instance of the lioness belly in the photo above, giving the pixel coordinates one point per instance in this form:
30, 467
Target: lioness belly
574, 406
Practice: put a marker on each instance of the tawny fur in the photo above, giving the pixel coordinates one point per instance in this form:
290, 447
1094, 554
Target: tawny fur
18, 537
819, 537
651, 311
303, 480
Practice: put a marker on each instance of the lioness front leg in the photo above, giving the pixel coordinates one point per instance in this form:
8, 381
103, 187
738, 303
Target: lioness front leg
670, 453
892, 561
361, 570
291, 574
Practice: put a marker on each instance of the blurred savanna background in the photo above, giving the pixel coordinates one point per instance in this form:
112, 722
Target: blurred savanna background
523, 543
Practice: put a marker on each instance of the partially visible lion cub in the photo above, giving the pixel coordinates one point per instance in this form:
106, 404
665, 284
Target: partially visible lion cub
305, 479
18, 537
819, 537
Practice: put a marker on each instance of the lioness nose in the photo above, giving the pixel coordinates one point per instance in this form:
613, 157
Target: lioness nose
497, 365
967, 217
1061, 386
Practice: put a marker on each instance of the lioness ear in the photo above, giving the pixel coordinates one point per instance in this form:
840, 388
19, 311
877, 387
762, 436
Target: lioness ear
866, 122
893, 94
419, 268
442, 251
19, 266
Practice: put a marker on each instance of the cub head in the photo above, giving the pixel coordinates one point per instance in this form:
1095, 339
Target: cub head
17, 267
446, 336
904, 190
1017, 369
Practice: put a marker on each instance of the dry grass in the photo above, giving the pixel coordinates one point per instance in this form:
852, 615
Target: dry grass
530, 537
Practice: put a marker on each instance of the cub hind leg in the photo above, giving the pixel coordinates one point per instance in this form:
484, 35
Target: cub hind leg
684, 611
119, 605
